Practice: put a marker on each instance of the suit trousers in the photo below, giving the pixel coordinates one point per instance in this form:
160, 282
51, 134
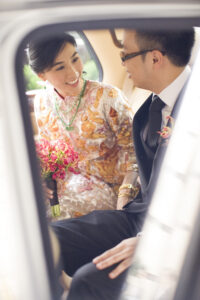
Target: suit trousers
82, 239
89, 283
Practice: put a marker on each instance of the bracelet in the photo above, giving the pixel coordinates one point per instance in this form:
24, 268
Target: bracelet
126, 186
135, 168
123, 194
134, 192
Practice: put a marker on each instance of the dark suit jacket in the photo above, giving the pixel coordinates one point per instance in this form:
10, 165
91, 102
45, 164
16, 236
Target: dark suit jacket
149, 163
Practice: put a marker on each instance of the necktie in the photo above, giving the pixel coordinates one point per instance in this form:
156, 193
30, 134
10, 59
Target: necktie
154, 122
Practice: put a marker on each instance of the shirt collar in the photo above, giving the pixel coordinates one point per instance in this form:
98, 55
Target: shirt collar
171, 92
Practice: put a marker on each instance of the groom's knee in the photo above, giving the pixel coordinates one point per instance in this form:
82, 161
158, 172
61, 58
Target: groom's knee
89, 283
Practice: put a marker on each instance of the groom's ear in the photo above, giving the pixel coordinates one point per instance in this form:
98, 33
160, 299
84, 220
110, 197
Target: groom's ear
157, 58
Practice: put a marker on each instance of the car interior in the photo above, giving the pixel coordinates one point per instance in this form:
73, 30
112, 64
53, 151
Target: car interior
171, 264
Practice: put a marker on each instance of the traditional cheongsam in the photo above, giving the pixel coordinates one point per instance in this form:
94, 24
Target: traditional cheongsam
102, 136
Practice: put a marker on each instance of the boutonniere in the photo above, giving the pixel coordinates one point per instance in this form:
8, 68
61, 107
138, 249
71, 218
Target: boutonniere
166, 132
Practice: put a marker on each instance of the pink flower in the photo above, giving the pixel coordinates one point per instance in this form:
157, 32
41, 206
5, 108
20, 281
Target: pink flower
62, 175
53, 157
54, 175
167, 131
45, 159
66, 161
52, 168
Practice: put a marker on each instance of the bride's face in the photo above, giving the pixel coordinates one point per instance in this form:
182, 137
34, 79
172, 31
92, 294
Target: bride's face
65, 74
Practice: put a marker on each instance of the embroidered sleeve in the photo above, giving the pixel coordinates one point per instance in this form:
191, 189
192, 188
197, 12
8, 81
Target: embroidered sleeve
119, 116
46, 120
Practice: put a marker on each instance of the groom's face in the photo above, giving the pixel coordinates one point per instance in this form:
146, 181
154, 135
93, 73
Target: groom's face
138, 67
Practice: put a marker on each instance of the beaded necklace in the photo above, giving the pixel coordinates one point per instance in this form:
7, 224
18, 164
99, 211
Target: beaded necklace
68, 126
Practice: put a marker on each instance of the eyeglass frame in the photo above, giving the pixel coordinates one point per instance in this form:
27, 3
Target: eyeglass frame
134, 54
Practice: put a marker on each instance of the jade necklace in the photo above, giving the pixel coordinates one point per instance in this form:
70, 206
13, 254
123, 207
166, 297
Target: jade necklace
68, 126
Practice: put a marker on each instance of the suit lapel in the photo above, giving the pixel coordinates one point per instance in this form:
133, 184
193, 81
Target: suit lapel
139, 124
162, 147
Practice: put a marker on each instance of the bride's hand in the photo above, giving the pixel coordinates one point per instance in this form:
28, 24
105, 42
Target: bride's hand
48, 193
121, 201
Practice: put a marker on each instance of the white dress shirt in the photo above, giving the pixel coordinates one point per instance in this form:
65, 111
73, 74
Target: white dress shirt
169, 96
170, 93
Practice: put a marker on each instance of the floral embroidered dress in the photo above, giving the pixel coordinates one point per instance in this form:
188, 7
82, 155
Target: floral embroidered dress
102, 136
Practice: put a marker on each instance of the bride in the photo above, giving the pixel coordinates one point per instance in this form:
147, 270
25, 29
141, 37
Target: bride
95, 118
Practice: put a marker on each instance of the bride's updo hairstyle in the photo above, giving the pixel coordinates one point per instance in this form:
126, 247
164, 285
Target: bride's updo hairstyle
42, 54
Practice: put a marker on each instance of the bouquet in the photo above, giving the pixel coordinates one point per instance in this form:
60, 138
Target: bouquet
56, 159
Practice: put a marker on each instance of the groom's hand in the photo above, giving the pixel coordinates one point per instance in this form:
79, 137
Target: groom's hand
123, 253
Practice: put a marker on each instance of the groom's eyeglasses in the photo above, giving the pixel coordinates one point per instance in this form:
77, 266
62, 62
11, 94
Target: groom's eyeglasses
125, 57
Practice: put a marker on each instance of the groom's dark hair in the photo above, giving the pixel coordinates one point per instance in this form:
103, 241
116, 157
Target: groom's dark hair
176, 44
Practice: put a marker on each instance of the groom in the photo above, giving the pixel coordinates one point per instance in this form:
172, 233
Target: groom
156, 61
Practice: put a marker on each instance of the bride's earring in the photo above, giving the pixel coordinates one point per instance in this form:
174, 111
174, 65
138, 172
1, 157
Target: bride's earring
83, 74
